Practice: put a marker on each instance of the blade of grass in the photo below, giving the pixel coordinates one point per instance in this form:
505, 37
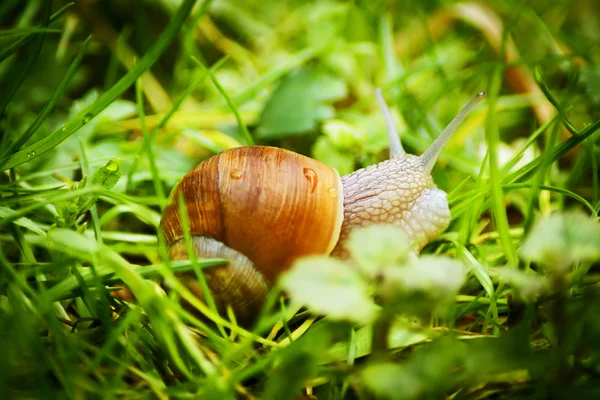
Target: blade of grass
459, 209
392, 68
145, 214
67, 195
129, 319
158, 185
85, 170
150, 377
241, 125
539, 78
486, 282
493, 136
27, 31
49, 107
185, 227
11, 275
188, 296
104, 317
148, 142
31, 61
564, 192
530, 141
474, 212
59, 169
595, 177
259, 83
151, 56
540, 177
110, 278
71, 287
524, 172
15, 46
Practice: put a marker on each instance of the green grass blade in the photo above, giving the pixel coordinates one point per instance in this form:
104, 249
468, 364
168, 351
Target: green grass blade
151, 56
524, 172
27, 31
49, 107
564, 192
147, 143
461, 203
85, 170
393, 69
540, 177
530, 141
252, 89
15, 46
539, 78
241, 125
595, 175
31, 61
158, 185
73, 287
499, 212
185, 227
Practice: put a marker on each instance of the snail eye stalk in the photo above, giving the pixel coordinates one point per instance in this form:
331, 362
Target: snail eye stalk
396, 149
433, 152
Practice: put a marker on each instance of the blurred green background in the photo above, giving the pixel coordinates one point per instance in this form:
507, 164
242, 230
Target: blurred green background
302, 75
106, 104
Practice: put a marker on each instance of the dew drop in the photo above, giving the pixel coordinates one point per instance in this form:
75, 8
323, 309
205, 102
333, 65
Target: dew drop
63, 128
312, 177
87, 117
32, 153
236, 174
333, 192
28, 155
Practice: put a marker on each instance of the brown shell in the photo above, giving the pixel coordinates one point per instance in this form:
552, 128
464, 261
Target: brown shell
270, 204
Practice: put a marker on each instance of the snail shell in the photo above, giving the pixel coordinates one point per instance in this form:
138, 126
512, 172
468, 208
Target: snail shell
254, 205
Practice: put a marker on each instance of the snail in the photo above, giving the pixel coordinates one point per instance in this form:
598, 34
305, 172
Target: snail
263, 207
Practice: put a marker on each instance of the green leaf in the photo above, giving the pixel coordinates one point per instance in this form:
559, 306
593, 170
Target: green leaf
529, 285
24, 222
378, 246
426, 285
330, 287
392, 381
562, 239
105, 177
299, 103
341, 133
327, 153
432, 273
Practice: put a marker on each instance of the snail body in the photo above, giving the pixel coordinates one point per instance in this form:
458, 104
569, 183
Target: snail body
263, 207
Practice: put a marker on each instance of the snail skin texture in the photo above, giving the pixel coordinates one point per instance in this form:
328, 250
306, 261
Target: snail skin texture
263, 207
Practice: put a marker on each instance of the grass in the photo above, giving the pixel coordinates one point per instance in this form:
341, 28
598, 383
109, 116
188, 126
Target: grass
105, 106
